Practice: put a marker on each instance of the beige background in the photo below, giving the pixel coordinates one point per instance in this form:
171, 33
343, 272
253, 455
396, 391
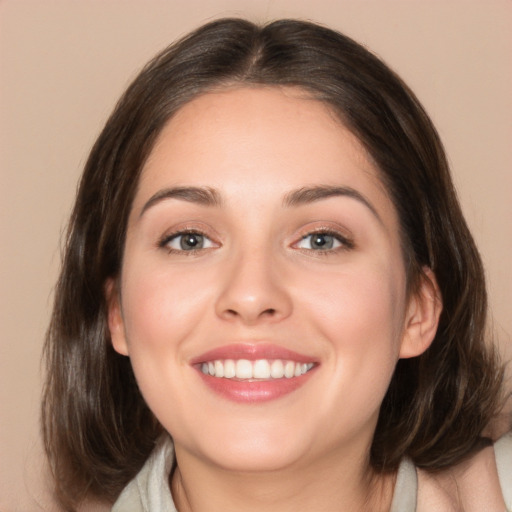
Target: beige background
64, 63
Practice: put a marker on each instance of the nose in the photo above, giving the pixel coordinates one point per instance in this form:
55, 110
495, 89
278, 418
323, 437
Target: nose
253, 291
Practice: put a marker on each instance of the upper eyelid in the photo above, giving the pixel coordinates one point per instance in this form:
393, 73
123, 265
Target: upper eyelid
174, 233
343, 235
341, 238
326, 228
189, 227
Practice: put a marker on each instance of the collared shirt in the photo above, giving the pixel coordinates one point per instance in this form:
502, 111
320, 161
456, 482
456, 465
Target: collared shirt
149, 490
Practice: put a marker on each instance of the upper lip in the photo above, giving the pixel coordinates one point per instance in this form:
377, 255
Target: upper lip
252, 352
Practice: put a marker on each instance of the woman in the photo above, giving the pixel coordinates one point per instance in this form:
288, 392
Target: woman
267, 264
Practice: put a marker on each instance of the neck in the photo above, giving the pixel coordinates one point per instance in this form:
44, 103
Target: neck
324, 486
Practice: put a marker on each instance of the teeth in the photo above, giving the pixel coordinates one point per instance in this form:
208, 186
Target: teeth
219, 369
243, 369
260, 369
289, 369
277, 369
229, 369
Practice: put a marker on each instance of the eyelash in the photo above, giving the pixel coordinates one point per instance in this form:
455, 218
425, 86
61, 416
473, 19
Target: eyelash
166, 239
346, 243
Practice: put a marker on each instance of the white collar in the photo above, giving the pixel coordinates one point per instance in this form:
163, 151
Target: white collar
149, 490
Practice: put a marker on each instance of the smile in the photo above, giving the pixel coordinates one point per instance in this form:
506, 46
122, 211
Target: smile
255, 372
261, 369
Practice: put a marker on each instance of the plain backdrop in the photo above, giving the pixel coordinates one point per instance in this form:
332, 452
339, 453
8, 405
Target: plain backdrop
63, 64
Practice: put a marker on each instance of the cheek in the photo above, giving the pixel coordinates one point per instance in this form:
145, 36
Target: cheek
361, 314
162, 311
363, 302
161, 307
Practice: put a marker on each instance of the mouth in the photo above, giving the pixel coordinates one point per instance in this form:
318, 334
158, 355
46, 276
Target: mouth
254, 373
261, 369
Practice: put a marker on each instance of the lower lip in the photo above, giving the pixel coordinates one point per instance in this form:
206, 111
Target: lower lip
255, 391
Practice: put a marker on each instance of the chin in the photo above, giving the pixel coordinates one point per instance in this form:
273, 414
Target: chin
257, 457
259, 448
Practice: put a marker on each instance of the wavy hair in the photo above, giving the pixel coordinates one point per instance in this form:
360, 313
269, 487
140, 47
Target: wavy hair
97, 429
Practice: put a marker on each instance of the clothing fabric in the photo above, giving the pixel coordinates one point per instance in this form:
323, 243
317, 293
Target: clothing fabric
503, 453
405, 495
149, 491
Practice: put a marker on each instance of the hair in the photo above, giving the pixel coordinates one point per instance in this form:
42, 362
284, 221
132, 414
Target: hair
97, 429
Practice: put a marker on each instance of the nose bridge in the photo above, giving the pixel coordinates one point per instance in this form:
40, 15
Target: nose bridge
253, 288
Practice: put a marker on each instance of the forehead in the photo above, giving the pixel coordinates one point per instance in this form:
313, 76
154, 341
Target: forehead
263, 139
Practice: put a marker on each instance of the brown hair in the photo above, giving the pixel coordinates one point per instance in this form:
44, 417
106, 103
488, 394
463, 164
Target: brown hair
97, 429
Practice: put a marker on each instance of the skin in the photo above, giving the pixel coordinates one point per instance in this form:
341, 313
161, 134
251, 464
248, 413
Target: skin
258, 279
470, 486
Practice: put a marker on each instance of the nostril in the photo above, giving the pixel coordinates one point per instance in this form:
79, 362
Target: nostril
266, 312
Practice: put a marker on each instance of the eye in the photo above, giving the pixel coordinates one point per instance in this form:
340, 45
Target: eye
323, 241
187, 241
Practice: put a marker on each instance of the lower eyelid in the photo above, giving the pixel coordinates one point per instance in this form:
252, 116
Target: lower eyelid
167, 239
342, 241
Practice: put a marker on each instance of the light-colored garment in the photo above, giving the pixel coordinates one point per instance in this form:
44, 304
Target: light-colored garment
405, 494
149, 491
503, 453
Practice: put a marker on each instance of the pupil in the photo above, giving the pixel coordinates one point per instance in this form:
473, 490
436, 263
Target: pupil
322, 241
190, 241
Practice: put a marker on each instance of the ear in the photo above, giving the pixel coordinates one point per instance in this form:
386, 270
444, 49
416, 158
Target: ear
115, 317
424, 310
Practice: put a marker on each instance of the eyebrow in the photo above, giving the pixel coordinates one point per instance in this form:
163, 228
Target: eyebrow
308, 195
204, 196
207, 196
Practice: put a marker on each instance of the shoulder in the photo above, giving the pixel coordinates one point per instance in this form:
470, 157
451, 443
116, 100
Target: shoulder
471, 486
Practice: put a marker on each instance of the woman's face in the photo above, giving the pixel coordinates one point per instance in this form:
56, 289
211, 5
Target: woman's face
263, 291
